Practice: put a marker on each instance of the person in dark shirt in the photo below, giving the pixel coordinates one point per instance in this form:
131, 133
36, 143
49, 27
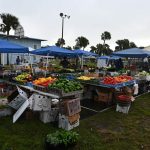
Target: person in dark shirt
118, 64
65, 63
40, 64
18, 60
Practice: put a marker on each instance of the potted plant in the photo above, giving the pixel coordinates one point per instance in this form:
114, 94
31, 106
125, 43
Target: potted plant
61, 140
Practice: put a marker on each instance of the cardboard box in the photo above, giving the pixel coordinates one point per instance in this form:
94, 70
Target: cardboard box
70, 107
74, 118
49, 116
104, 97
65, 124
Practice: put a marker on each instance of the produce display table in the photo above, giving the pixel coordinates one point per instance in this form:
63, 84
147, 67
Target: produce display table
120, 85
105, 92
65, 111
31, 89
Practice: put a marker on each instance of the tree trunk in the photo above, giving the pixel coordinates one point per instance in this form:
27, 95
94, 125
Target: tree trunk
104, 42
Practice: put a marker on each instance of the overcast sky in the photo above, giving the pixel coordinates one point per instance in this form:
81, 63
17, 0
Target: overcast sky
128, 19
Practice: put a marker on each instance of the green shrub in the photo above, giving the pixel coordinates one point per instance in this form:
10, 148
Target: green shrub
62, 137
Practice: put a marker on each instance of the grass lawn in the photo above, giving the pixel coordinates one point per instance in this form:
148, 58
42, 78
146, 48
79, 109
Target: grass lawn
108, 130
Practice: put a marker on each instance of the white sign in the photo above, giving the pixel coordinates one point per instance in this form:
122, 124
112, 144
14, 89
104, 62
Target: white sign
20, 111
17, 102
22, 93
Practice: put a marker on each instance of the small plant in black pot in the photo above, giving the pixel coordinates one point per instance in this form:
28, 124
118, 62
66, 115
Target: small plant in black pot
61, 140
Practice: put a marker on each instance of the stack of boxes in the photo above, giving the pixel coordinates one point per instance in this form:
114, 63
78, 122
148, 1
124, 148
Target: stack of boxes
69, 113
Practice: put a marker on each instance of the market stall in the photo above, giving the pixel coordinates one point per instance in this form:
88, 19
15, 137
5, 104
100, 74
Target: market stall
82, 53
57, 96
132, 53
107, 89
54, 51
55, 99
8, 47
138, 64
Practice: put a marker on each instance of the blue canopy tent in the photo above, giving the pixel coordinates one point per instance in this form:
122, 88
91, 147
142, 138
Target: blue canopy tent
104, 57
8, 47
113, 57
82, 53
54, 51
133, 53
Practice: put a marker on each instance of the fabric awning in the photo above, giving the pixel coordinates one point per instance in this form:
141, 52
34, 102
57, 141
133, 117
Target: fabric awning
9, 47
132, 52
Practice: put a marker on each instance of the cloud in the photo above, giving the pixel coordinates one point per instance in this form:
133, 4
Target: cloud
89, 18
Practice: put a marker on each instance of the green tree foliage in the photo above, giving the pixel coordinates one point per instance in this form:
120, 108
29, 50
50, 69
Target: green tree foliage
132, 45
93, 49
60, 42
101, 49
107, 50
81, 42
69, 47
76, 47
8, 22
105, 36
124, 44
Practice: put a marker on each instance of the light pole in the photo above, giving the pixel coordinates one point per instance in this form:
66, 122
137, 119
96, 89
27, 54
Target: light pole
63, 16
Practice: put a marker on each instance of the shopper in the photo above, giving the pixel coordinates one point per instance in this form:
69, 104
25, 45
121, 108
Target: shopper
18, 60
65, 63
40, 64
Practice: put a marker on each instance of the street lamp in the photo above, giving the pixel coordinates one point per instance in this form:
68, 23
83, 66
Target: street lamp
63, 16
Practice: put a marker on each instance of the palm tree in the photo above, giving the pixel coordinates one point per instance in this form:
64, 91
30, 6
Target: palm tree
99, 49
120, 45
81, 42
60, 42
124, 44
105, 36
106, 50
69, 47
132, 45
8, 22
93, 49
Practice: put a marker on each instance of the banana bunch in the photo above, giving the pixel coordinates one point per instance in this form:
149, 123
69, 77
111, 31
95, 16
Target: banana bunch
22, 77
85, 78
